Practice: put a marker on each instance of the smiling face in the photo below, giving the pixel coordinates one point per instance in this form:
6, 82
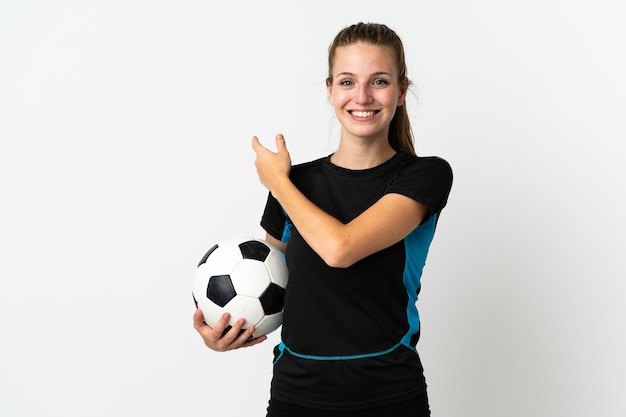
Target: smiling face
365, 90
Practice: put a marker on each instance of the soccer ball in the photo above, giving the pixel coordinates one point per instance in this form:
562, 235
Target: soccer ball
245, 277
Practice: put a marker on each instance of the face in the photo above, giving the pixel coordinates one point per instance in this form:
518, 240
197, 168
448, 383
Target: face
365, 90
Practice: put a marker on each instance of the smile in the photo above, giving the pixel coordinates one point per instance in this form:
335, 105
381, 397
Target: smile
357, 113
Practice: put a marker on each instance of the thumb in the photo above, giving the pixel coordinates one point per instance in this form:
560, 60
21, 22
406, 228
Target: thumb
255, 143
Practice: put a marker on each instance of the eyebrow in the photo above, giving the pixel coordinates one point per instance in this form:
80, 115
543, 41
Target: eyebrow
373, 74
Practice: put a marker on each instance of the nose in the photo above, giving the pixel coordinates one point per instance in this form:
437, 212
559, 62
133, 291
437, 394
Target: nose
363, 95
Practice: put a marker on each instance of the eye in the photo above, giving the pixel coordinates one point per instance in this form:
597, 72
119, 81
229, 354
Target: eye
346, 83
380, 82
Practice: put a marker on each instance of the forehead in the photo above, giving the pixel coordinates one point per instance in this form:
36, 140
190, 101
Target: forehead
363, 57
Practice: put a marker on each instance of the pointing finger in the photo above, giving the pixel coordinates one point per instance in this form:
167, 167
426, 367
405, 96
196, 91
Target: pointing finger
280, 143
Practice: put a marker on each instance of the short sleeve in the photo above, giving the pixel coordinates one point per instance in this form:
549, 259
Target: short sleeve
427, 180
274, 220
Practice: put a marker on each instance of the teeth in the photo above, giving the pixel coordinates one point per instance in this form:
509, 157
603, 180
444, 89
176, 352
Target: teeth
363, 113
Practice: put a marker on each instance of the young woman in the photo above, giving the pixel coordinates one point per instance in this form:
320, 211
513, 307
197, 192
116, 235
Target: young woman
355, 227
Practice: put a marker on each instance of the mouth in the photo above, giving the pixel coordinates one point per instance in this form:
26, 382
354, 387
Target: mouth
362, 113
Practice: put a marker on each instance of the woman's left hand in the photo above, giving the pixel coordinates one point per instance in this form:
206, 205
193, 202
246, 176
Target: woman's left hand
272, 167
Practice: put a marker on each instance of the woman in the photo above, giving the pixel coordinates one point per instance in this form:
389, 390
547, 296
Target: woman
355, 227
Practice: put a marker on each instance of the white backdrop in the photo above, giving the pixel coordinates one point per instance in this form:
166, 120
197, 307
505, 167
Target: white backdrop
125, 153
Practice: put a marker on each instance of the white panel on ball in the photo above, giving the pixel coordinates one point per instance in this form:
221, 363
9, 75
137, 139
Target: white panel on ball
268, 324
211, 311
224, 259
250, 278
201, 282
246, 307
275, 263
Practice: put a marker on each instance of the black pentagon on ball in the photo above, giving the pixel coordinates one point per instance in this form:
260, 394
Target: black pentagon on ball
253, 249
273, 299
206, 255
220, 290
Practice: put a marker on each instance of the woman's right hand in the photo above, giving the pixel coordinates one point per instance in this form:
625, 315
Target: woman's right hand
216, 339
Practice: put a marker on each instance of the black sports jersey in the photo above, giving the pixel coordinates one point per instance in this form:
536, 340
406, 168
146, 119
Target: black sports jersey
349, 334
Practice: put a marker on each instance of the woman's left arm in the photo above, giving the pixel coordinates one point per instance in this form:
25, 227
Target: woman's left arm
340, 245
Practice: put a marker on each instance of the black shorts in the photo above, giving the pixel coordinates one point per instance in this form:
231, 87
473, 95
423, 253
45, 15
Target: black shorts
414, 407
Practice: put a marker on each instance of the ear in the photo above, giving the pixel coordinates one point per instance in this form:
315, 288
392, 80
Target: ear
404, 88
329, 90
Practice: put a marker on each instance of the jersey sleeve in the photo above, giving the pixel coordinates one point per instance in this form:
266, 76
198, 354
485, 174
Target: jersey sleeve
427, 180
275, 221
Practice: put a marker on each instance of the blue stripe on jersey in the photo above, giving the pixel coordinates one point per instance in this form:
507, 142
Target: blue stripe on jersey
286, 232
286, 229
282, 348
416, 247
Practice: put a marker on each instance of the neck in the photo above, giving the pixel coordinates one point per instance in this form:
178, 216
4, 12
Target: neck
362, 156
